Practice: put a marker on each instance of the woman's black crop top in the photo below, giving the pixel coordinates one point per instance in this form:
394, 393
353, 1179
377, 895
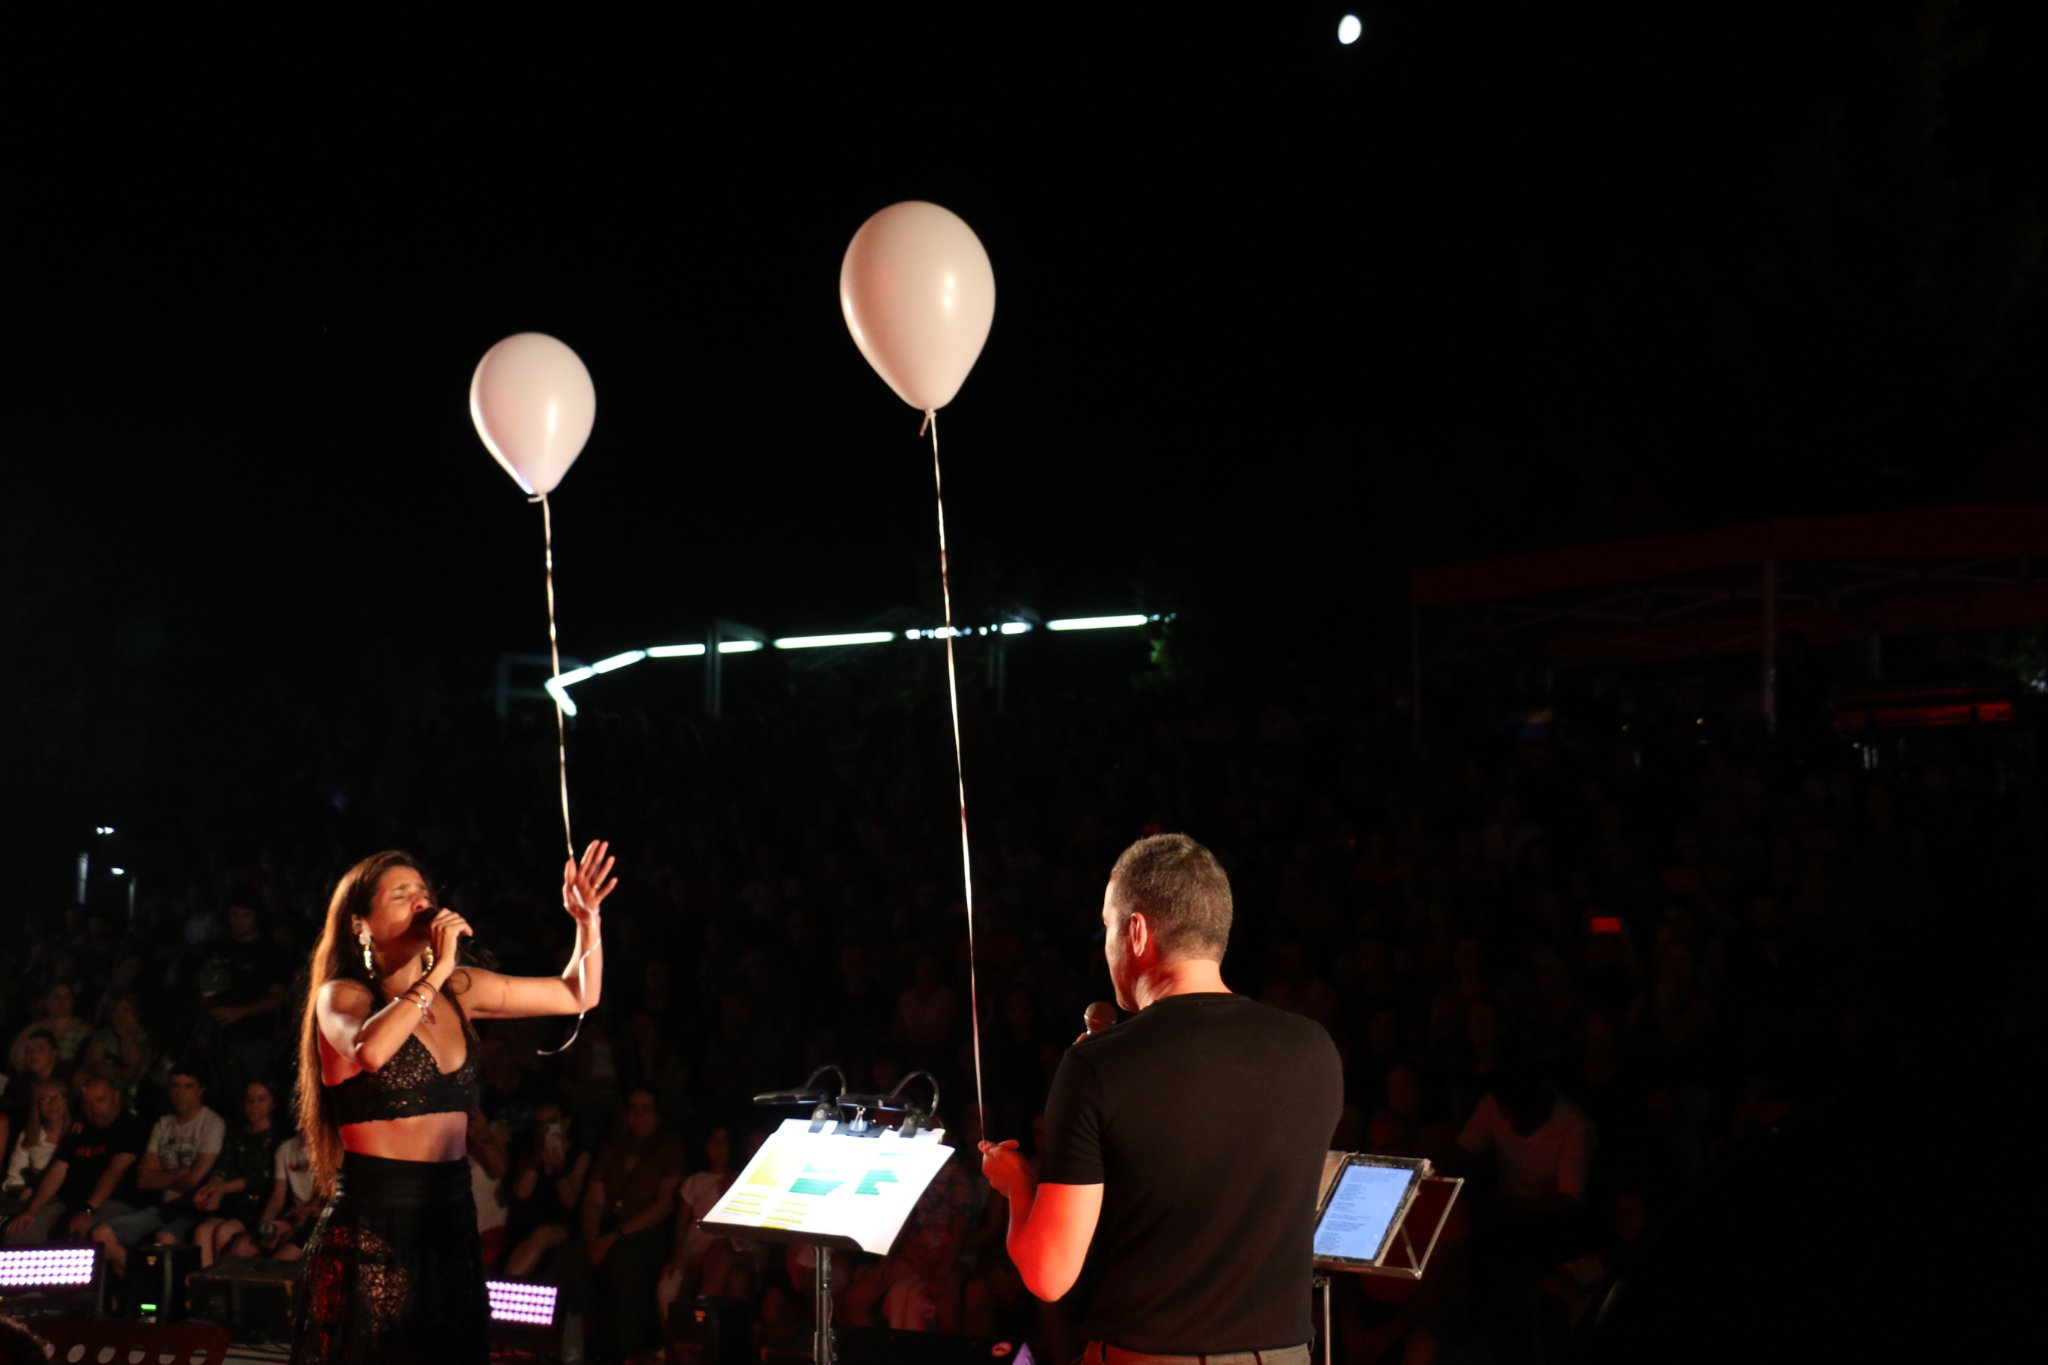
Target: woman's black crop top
410, 1083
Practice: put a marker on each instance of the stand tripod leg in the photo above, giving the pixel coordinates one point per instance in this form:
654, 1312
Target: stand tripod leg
1322, 1282
821, 1343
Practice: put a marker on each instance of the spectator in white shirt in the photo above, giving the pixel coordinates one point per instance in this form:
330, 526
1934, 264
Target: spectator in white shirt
182, 1149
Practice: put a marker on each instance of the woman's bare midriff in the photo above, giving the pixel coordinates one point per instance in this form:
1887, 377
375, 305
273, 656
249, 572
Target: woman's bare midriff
421, 1137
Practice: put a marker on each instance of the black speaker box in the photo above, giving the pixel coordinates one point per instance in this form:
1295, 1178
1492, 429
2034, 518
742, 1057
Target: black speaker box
710, 1332
153, 1289
254, 1297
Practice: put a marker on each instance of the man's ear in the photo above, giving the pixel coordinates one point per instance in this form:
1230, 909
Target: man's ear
1137, 934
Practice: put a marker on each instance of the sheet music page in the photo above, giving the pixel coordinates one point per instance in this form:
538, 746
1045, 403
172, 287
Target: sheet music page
833, 1184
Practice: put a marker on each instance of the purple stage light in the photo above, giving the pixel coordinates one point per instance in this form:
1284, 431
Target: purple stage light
515, 1301
36, 1267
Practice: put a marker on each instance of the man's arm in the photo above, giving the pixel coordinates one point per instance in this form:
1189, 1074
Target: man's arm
110, 1179
569, 1187
46, 1190
191, 1177
151, 1175
274, 1205
1050, 1225
664, 1203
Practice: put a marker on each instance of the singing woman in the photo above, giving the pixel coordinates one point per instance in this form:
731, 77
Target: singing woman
387, 1075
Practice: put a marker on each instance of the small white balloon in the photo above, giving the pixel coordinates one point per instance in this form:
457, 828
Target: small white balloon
533, 405
919, 297
1349, 29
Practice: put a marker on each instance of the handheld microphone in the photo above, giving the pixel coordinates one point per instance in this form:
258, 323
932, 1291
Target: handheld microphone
1097, 1018
467, 946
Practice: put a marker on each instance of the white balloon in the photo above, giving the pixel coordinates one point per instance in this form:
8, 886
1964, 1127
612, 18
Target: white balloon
919, 297
533, 403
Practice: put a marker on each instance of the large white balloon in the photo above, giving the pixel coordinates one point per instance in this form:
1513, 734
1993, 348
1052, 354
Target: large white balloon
533, 403
919, 296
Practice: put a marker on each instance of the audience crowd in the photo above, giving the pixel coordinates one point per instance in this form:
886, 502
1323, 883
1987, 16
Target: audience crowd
1578, 954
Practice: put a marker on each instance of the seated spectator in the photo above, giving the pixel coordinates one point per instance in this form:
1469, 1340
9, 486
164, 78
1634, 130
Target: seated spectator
490, 1161
927, 1011
242, 977
234, 1194
289, 1213
1294, 986
39, 1064
917, 1286
1407, 1104
1540, 1142
89, 1174
49, 1119
68, 1032
701, 1263
545, 1190
122, 1049
626, 1207
182, 1150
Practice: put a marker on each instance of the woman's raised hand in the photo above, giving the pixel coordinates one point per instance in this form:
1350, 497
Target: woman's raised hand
445, 932
586, 884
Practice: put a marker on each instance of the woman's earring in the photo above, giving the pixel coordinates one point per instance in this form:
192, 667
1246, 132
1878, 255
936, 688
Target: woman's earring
369, 958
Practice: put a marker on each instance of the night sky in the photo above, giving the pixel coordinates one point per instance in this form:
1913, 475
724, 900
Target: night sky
1276, 320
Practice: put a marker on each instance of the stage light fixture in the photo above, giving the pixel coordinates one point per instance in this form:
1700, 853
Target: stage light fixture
1015, 627
675, 651
517, 1301
1349, 29
118, 871
861, 637
738, 646
618, 661
47, 1267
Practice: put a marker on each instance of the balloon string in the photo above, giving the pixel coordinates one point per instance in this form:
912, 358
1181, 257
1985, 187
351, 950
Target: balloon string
931, 422
547, 530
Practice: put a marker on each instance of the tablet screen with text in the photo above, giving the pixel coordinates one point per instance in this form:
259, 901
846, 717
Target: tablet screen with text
1362, 1210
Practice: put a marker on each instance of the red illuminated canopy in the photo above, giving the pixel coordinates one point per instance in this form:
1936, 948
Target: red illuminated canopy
1829, 579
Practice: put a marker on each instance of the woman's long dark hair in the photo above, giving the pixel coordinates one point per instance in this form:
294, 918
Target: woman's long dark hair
335, 955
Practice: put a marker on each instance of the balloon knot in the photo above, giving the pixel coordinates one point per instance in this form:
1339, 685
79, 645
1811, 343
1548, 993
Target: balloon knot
925, 425
536, 498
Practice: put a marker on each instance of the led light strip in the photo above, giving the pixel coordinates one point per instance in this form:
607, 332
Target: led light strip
558, 687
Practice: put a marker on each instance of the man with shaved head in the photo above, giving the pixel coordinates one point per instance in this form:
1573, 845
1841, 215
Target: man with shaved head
1184, 1147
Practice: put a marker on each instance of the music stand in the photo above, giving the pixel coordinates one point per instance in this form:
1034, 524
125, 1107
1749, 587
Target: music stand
1371, 1213
828, 1185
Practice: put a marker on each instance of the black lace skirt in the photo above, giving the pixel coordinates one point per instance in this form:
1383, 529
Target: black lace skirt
393, 1273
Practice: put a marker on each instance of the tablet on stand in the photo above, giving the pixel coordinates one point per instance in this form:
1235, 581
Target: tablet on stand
1371, 1214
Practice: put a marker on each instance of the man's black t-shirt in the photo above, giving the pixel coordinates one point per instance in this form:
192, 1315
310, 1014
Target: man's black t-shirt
87, 1151
241, 972
1204, 1118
